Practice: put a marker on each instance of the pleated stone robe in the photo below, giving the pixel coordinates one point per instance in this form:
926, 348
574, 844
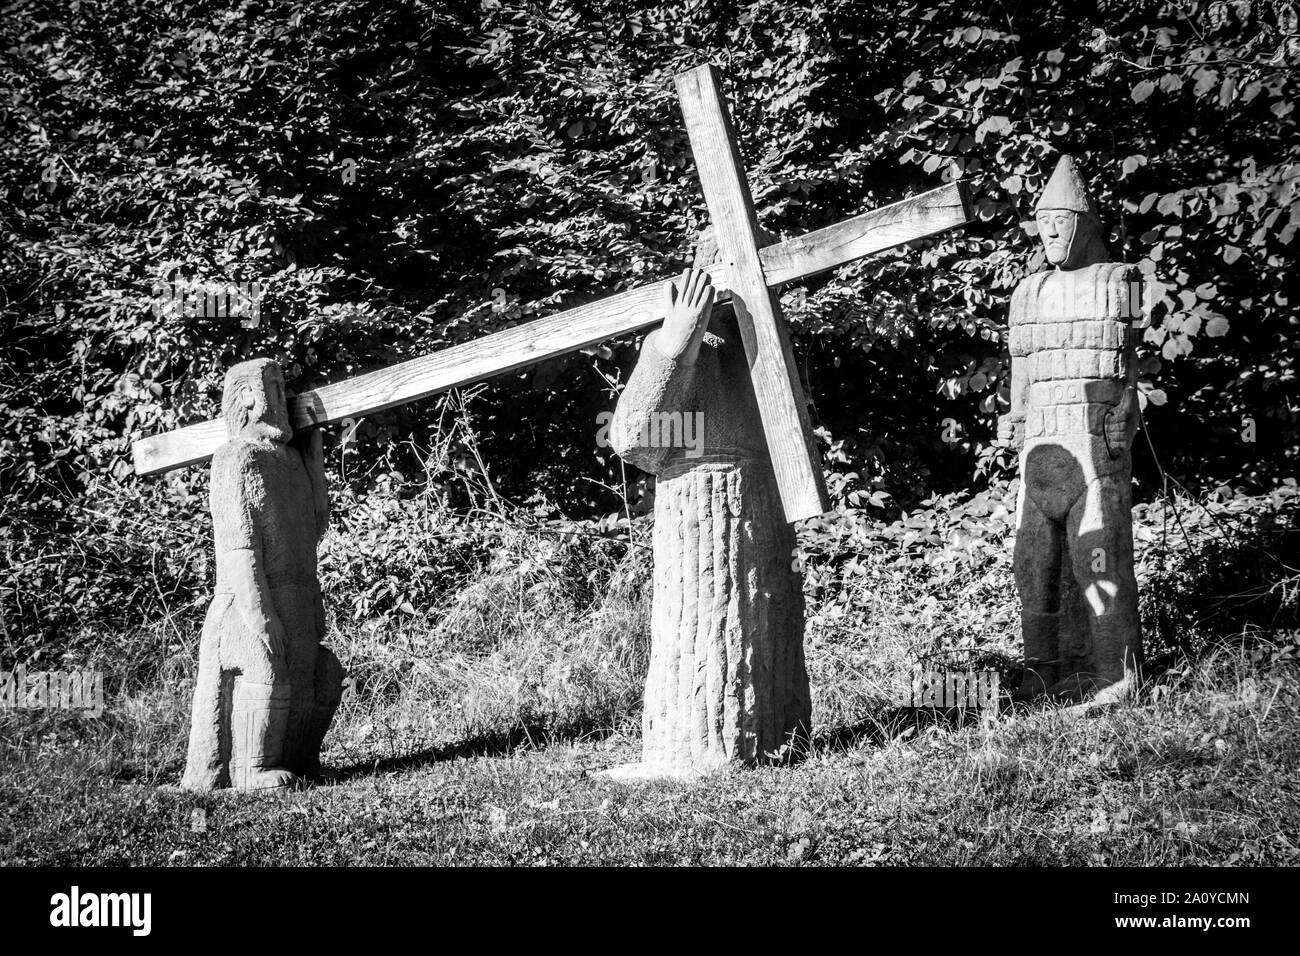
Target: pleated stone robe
727, 682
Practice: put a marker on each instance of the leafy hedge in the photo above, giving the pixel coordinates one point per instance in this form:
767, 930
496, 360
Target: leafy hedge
401, 176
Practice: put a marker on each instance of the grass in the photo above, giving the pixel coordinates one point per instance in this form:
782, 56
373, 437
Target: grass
471, 734
1202, 769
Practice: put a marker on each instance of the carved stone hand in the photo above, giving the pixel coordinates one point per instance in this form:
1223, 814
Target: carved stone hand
688, 303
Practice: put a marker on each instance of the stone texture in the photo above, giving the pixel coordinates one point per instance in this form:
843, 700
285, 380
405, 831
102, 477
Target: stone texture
727, 683
1073, 416
267, 689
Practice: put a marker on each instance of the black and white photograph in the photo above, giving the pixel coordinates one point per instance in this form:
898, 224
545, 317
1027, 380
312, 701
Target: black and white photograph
500, 434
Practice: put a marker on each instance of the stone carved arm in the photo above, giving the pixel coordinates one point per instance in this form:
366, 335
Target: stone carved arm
309, 445
665, 372
1011, 426
1122, 421
253, 597
234, 494
658, 384
239, 554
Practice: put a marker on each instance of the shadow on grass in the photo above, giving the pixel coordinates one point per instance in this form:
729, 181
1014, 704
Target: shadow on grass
890, 723
523, 737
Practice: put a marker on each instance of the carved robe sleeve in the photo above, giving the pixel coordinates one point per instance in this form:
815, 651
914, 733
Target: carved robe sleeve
236, 489
1019, 335
1124, 284
658, 384
309, 445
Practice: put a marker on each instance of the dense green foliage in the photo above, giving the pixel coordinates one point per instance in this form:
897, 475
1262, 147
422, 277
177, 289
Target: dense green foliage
400, 176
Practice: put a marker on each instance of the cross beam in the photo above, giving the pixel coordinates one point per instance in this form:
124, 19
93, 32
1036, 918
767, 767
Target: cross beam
758, 309
555, 335
747, 274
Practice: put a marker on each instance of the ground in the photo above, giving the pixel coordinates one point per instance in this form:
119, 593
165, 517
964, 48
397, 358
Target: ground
476, 715
1202, 769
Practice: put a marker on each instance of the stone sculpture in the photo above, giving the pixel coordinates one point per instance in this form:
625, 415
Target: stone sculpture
267, 689
1073, 416
727, 683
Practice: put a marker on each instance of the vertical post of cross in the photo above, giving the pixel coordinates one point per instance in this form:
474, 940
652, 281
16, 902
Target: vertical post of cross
758, 310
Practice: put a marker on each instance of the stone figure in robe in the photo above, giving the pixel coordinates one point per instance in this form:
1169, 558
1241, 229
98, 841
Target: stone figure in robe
727, 683
266, 689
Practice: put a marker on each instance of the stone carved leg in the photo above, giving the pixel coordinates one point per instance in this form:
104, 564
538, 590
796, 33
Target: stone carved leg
240, 708
1073, 639
329, 691
298, 611
1037, 568
1102, 559
259, 716
205, 764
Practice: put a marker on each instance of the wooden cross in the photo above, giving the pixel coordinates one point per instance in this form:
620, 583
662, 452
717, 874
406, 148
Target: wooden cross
749, 274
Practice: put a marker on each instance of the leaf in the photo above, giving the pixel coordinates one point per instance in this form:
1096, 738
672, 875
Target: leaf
1206, 80
1216, 327
1132, 163
1143, 90
994, 124
1170, 204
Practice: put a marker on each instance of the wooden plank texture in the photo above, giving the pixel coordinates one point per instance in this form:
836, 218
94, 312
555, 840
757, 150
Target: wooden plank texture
555, 335
417, 378
776, 378
914, 218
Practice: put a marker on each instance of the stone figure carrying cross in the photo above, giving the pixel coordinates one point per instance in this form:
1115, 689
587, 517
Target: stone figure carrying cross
727, 682
748, 273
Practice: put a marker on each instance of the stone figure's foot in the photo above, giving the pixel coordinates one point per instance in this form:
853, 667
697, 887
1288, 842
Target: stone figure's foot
258, 721
1071, 690
628, 773
1101, 697
655, 770
636, 772
199, 783
1032, 686
269, 781
1120, 692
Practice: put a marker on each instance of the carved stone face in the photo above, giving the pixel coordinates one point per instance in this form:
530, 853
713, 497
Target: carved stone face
255, 408
1057, 228
271, 408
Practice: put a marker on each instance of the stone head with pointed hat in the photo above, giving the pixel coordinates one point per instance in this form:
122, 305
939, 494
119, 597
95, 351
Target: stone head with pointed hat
1067, 219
